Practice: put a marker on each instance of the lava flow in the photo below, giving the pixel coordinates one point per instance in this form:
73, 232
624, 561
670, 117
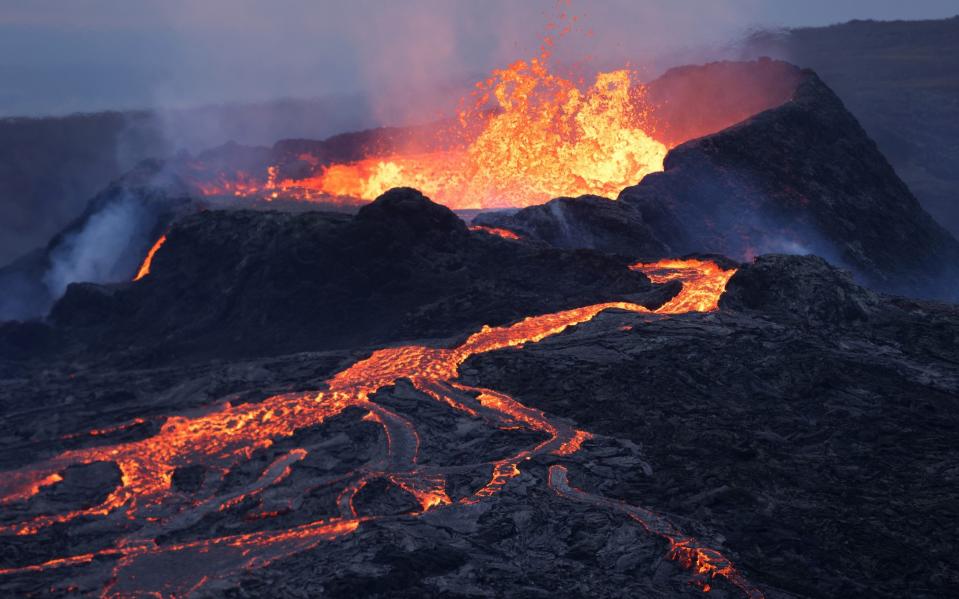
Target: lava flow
146, 505
497, 231
144, 269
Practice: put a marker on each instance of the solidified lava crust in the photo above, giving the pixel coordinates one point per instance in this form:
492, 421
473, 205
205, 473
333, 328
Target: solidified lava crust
189, 472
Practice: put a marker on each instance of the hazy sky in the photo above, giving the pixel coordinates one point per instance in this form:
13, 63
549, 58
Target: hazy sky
69, 55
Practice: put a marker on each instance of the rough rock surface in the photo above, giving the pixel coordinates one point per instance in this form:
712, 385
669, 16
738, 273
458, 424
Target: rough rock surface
809, 422
801, 288
802, 177
239, 282
592, 222
813, 446
806, 430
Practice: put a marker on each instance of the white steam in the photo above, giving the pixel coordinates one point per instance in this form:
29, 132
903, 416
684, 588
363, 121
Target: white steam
100, 251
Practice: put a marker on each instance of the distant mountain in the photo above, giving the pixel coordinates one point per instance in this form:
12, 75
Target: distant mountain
901, 80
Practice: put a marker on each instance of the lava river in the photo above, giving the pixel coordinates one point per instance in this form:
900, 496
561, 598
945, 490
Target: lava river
225, 436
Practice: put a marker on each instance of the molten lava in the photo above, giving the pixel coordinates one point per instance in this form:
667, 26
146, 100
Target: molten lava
226, 436
703, 283
145, 267
545, 138
548, 139
497, 231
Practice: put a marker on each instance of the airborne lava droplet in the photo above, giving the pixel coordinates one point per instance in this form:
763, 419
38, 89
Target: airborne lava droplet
146, 504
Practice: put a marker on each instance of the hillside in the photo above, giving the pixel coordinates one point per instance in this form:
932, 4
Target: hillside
901, 80
50, 167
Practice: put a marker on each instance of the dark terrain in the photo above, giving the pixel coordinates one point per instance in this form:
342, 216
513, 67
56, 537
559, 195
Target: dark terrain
270, 282
806, 429
810, 422
802, 177
310, 403
901, 80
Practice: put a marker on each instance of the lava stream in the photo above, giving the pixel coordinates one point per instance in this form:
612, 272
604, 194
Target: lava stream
497, 231
144, 269
705, 562
527, 135
226, 435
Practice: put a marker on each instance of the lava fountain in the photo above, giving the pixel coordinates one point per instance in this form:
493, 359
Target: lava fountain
526, 136
546, 139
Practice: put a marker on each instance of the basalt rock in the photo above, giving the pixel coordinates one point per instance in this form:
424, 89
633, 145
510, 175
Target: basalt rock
800, 287
815, 449
806, 429
592, 222
808, 437
245, 282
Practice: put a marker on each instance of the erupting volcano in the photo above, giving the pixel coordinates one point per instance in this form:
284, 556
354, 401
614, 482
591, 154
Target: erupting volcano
589, 333
223, 437
546, 138
526, 136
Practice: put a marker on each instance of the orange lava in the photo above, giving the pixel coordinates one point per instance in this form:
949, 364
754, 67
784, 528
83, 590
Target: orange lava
706, 563
226, 435
548, 139
544, 137
703, 282
145, 267
504, 233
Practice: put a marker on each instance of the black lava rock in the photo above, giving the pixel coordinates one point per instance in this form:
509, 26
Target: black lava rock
245, 282
801, 287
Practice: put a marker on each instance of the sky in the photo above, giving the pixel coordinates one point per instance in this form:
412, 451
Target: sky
58, 57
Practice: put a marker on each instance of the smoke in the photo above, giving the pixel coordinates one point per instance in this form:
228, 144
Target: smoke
408, 58
255, 72
106, 248
180, 53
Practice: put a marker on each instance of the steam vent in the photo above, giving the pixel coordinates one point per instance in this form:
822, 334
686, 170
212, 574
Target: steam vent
572, 330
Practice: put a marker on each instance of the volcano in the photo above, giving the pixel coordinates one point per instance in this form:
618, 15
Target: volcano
292, 372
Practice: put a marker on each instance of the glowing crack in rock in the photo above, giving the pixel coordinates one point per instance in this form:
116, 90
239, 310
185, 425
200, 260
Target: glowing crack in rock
227, 435
497, 231
527, 135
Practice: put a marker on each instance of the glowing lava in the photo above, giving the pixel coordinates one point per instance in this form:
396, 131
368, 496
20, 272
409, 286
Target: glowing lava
548, 139
225, 436
499, 232
145, 267
703, 283
545, 138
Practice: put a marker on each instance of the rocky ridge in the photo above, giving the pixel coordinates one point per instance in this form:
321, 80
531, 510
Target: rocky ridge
800, 178
804, 429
